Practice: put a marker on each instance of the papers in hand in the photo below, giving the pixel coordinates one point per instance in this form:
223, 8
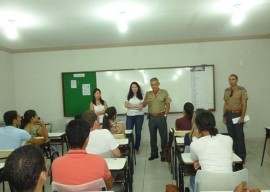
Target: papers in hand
235, 120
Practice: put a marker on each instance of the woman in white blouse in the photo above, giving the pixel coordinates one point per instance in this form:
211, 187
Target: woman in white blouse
135, 112
98, 105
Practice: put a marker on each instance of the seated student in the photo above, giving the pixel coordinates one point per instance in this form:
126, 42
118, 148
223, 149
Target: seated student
77, 167
194, 133
212, 151
34, 125
184, 123
109, 122
101, 141
11, 137
25, 169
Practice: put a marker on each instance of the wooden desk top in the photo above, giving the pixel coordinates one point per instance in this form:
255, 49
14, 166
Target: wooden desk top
187, 160
116, 163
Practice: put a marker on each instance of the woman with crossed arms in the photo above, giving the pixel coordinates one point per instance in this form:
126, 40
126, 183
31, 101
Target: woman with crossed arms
135, 112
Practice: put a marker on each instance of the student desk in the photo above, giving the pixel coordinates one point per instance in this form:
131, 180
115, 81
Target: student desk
177, 149
119, 165
185, 167
130, 136
2, 165
125, 147
267, 136
58, 138
122, 142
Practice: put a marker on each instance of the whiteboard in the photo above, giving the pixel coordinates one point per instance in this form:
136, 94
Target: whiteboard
184, 84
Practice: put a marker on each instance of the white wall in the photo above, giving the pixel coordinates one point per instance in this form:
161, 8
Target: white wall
7, 91
38, 75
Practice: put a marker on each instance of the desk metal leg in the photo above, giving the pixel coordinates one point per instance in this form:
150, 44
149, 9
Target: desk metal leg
264, 149
181, 177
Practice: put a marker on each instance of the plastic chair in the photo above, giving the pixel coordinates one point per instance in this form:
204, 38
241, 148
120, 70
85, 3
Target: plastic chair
97, 185
208, 181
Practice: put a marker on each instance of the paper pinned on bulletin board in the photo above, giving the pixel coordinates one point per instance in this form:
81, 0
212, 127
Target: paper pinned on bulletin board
86, 89
235, 120
73, 84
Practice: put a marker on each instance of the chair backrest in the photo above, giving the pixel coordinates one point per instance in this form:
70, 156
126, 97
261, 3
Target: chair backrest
207, 181
97, 185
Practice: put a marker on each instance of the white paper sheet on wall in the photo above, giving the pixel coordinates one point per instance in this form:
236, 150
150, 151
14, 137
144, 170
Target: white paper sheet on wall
86, 89
73, 84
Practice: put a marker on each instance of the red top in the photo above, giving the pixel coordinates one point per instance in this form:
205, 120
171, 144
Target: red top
183, 123
77, 167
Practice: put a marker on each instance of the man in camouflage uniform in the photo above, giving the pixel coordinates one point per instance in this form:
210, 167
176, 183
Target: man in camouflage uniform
158, 101
235, 105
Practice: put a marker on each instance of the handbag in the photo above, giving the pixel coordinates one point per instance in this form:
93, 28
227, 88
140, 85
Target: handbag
171, 188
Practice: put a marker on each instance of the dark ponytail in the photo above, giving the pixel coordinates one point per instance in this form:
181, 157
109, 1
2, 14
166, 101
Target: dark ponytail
108, 115
27, 117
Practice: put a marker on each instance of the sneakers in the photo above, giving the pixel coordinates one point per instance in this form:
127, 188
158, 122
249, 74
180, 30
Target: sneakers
137, 151
152, 158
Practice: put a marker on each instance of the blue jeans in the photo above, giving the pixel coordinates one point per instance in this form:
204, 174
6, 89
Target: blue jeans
136, 120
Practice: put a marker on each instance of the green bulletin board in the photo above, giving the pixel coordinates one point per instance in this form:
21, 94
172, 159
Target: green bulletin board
77, 92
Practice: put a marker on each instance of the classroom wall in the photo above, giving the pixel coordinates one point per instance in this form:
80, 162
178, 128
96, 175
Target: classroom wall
38, 74
7, 91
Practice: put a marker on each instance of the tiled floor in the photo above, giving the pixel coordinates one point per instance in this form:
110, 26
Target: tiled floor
152, 176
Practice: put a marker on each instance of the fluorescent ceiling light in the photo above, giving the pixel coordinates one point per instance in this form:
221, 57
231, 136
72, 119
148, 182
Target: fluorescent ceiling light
10, 30
122, 22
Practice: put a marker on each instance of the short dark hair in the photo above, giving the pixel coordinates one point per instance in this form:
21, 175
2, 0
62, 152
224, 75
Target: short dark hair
23, 167
233, 75
90, 117
77, 132
9, 116
154, 79
205, 121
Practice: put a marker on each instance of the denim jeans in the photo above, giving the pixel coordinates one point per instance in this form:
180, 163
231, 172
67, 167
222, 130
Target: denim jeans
136, 120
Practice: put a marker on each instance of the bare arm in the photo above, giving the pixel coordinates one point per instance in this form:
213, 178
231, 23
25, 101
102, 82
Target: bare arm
224, 111
144, 103
108, 183
167, 109
105, 106
35, 141
91, 107
131, 106
244, 109
116, 152
43, 130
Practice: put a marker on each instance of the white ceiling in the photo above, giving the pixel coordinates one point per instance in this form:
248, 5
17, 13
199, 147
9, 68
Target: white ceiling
72, 24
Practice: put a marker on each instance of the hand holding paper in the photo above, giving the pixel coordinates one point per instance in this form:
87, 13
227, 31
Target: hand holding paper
235, 120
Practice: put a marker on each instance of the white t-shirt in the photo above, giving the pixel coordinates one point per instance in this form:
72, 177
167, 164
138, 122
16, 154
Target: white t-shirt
214, 153
134, 101
99, 108
101, 142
